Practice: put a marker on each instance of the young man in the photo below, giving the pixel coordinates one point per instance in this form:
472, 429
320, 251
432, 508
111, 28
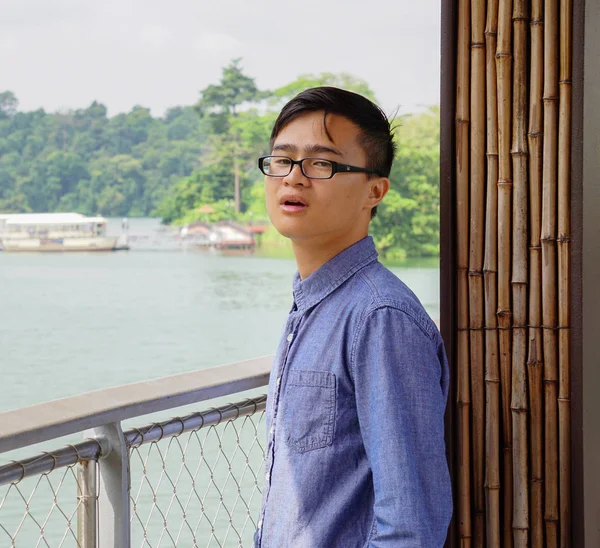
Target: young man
355, 415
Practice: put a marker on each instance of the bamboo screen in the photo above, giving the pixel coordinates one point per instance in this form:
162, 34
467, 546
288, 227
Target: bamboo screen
513, 133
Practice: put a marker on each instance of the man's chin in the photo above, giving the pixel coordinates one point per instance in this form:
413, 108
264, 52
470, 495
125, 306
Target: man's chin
289, 230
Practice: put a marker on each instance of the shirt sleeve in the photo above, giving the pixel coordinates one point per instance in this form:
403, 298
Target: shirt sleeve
401, 384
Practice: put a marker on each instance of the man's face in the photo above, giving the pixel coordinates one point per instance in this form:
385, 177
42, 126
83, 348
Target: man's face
327, 211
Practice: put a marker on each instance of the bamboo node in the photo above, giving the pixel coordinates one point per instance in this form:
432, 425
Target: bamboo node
550, 327
492, 487
516, 19
567, 82
489, 271
537, 22
565, 400
517, 153
564, 238
534, 363
491, 33
475, 274
463, 403
548, 240
550, 381
492, 154
519, 410
535, 247
505, 182
535, 134
478, 45
537, 480
492, 381
502, 54
550, 99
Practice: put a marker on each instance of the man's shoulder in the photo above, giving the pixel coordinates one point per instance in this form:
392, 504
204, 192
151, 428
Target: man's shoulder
376, 287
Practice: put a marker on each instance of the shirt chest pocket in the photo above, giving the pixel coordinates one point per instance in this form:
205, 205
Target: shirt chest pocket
309, 409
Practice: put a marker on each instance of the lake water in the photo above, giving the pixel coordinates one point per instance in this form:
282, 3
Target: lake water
71, 323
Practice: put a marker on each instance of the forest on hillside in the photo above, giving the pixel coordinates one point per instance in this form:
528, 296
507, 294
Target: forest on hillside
134, 164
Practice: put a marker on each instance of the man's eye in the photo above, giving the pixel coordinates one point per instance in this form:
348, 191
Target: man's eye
321, 163
282, 162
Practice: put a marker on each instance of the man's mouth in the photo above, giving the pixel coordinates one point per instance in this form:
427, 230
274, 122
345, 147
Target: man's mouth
292, 205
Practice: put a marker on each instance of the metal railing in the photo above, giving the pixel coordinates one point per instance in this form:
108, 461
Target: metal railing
187, 481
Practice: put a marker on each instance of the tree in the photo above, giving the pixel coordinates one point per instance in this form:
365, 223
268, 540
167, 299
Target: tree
8, 104
221, 104
407, 222
343, 80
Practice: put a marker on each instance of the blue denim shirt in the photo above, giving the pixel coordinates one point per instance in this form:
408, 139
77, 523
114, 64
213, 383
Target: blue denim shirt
355, 415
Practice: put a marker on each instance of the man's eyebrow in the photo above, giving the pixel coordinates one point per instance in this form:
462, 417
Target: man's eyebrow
309, 149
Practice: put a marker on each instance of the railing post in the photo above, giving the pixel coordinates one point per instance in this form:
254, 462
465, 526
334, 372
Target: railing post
87, 507
115, 484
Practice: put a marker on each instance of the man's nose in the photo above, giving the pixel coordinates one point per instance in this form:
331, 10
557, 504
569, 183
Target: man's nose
295, 177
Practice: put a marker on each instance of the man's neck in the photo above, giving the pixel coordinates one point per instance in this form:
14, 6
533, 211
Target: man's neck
310, 255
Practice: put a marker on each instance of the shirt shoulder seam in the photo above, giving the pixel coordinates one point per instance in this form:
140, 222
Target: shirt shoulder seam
380, 304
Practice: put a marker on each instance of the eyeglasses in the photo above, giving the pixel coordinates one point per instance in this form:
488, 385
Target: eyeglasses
312, 168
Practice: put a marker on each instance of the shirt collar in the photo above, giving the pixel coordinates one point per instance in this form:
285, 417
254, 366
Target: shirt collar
322, 282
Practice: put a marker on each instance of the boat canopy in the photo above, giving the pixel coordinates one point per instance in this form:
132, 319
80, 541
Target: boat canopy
50, 219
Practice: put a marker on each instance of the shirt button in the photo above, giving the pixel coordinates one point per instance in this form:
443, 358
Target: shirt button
272, 430
278, 381
260, 524
267, 477
290, 337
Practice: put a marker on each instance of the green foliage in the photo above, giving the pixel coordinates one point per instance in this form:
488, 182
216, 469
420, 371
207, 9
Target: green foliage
84, 161
305, 81
407, 222
133, 164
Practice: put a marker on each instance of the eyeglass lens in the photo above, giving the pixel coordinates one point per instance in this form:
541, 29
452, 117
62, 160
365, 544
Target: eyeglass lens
314, 168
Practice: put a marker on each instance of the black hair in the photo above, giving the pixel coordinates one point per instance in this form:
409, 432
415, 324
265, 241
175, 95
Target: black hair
375, 136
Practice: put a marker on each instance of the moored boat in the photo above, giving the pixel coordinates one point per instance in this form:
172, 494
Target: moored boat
54, 232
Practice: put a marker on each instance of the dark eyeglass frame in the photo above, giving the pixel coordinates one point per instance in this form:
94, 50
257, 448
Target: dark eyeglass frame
336, 167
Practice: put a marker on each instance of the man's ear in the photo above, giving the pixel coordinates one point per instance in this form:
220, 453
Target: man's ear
379, 188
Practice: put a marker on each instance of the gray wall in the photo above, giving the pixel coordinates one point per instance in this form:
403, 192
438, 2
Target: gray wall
591, 275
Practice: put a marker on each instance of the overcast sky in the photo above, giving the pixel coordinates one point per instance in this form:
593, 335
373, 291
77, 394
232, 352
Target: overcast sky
61, 54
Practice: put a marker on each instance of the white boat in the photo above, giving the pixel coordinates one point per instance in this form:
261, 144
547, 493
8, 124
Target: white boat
54, 232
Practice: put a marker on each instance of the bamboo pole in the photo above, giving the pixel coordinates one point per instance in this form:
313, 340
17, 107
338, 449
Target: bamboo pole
564, 268
490, 269
463, 395
549, 289
535, 355
476, 236
503, 73
519, 153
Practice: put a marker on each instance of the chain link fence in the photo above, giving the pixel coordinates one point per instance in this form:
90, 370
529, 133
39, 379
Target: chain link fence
195, 482
202, 486
40, 511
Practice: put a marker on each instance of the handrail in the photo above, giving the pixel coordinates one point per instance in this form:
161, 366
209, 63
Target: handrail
54, 419
91, 449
